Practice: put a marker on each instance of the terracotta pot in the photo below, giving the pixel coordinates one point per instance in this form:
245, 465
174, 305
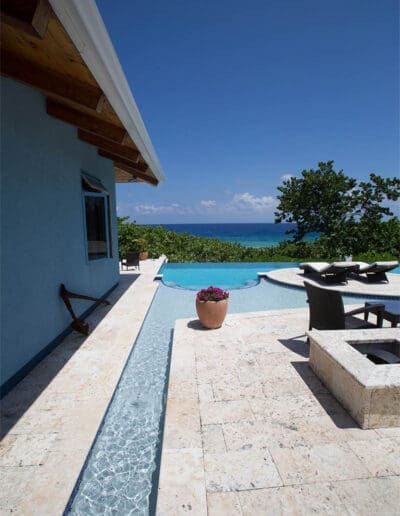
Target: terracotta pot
211, 313
143, 255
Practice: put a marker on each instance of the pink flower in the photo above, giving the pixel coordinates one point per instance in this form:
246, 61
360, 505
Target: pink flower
212, 294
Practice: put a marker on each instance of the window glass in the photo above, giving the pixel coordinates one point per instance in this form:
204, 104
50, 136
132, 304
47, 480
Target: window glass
96, 226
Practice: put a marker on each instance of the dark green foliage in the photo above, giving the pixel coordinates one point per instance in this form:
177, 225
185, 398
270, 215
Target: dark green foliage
348, 216
182, 247
318, 202
129, 236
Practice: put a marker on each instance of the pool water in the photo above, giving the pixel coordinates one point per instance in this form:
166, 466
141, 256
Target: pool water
195, 276
119, 476
121, 472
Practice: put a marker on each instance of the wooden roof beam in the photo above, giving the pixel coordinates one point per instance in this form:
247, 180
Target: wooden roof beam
136, 174
85, 121
50, 82
128, 141
30, 16
140, 167
117, 149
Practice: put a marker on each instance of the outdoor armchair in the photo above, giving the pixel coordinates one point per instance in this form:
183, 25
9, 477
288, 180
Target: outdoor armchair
131, 259
327, 311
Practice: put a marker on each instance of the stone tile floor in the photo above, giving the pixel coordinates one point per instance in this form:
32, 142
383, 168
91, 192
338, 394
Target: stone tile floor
50, 419
250, 430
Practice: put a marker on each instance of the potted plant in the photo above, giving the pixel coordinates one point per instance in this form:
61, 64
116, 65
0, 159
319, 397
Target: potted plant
211, 306
140, 246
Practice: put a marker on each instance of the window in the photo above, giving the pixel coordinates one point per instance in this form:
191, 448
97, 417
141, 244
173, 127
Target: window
96, 206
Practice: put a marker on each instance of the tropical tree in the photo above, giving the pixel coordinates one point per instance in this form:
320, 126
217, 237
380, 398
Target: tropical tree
316, 202
349, 216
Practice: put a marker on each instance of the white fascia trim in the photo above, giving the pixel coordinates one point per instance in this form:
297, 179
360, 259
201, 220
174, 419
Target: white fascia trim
82, 20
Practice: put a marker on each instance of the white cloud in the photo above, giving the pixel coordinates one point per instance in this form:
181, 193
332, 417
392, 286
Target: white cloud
241, 206
152, 209
248, 202
286, 177
208, 204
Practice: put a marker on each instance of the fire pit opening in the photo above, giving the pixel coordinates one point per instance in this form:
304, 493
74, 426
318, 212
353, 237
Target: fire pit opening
380, 352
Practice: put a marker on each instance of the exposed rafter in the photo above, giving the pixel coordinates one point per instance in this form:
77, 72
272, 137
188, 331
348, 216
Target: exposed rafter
140, 167
135, 173
59, 48
31, 16
107, 145
50, 82
85, 121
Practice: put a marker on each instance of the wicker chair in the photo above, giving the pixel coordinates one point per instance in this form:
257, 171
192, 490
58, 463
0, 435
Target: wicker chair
131, 259
327, 311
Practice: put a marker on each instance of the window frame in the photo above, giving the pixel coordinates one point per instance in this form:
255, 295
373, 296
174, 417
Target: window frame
106, 198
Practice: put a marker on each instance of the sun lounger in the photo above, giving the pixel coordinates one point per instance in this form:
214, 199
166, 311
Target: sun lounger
375, 271
335, 272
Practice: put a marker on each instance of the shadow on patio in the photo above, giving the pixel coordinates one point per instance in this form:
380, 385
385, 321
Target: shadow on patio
30, 388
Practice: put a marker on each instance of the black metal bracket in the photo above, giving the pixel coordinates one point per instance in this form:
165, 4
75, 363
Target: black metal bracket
78, 324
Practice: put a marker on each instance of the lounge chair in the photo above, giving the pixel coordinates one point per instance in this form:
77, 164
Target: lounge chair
334, 272
327, 311
375, 271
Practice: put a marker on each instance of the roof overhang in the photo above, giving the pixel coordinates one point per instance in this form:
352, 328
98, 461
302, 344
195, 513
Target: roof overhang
63, 49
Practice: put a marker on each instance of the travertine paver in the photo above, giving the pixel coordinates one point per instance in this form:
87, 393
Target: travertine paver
186, 493
274, 441
381, 458
185, 415
49, 420
295, 500
305, 464
240, 470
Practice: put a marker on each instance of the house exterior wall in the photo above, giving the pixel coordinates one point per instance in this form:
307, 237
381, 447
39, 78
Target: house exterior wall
42, 226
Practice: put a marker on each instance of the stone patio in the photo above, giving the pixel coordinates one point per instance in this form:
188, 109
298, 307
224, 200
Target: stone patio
50, 419
250, 430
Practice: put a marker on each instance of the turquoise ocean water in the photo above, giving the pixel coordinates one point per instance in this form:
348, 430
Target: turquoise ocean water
250, 235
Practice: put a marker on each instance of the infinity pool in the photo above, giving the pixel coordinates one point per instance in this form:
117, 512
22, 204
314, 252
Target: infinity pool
195, 276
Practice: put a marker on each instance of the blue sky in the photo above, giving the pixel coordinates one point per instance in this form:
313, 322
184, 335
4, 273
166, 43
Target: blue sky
236, 95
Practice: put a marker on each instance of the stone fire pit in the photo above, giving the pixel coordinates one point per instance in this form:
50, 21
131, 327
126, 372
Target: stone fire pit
370, 392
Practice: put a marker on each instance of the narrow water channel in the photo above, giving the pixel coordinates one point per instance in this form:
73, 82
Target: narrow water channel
120, 475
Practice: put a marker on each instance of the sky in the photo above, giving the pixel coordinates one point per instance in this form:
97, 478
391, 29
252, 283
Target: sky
236, 96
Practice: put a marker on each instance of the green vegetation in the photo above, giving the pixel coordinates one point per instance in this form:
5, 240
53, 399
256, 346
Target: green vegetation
350, 218
182, 247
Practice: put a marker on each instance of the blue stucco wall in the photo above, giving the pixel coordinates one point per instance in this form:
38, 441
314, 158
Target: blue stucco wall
42, 228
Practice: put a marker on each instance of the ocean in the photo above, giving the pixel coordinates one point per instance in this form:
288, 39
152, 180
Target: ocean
250, 235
